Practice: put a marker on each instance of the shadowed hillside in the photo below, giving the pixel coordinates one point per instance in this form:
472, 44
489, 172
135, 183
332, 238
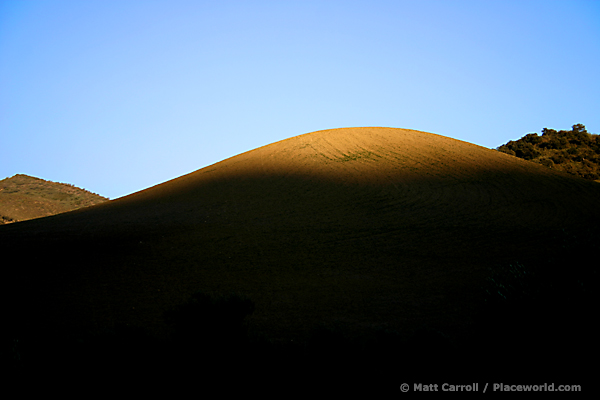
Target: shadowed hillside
355, 229
24, 197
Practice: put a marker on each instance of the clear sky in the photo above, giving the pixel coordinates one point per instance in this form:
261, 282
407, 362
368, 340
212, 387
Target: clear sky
116, 96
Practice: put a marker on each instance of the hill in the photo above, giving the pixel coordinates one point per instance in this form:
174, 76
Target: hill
24, 197
363, 231
576, 151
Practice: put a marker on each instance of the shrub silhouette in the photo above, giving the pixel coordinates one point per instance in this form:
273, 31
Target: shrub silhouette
538, 314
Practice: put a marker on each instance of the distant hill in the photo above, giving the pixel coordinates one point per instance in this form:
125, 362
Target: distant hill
24, 197
576, 151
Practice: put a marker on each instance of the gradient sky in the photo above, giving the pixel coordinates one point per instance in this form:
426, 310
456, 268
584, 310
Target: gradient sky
117, 96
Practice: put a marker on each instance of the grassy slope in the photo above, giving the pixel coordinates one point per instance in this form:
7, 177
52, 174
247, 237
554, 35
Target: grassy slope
24, 197
357, 228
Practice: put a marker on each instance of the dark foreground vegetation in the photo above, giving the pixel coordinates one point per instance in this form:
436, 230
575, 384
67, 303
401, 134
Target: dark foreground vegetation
536, 324
575, 151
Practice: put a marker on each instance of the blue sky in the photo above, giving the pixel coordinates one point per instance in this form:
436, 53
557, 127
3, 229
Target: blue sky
117, 96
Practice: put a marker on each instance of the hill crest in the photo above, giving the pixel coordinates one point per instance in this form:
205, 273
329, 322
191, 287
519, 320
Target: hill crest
342, 154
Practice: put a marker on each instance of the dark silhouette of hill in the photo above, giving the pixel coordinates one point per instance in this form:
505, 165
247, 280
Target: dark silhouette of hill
576, 151
381, 233
24, 197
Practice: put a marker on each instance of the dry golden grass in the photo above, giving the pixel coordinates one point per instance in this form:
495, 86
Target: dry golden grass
358, 228
25, 197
